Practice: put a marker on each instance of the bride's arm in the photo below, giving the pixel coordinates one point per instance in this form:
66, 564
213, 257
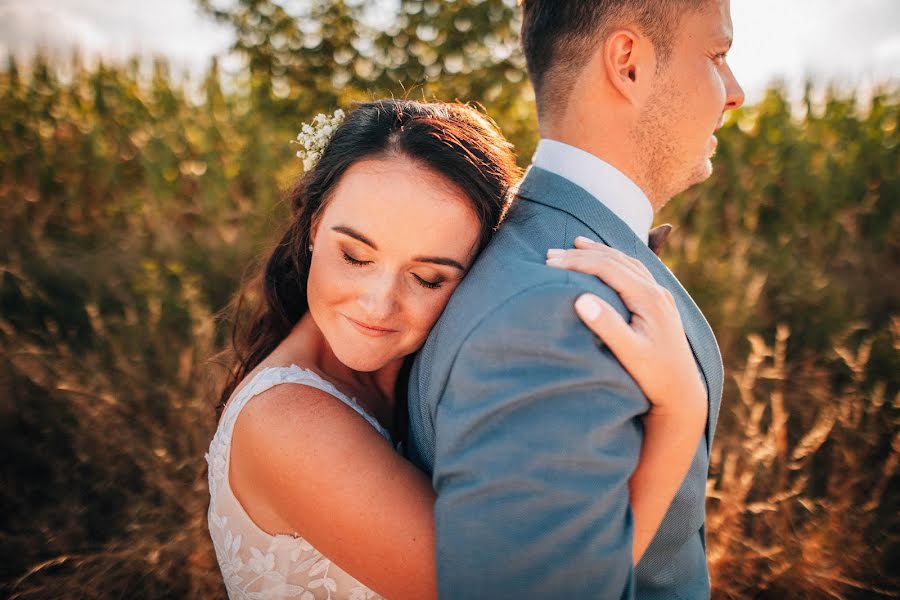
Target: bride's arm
302, 458
655, 352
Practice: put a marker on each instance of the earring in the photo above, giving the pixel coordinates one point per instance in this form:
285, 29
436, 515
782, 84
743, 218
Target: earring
310, 247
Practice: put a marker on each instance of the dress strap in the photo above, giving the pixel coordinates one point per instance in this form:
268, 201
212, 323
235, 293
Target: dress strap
269, 377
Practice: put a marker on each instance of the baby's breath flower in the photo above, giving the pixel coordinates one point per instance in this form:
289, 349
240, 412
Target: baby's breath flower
313, 138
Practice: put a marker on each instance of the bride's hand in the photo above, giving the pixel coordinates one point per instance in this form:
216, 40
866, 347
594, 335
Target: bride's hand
653, 348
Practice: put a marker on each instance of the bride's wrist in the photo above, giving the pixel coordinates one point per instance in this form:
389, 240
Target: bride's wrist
688, 406
674, 428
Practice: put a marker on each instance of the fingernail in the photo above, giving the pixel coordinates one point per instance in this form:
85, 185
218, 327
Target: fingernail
589, 307
555, 253
581, 238
554, 262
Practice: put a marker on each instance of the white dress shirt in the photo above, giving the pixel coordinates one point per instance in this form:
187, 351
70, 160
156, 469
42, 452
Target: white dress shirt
600, 179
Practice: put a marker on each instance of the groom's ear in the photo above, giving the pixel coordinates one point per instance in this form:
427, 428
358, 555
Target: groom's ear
629, 61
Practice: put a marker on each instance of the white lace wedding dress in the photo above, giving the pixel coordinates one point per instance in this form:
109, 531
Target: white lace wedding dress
255, 564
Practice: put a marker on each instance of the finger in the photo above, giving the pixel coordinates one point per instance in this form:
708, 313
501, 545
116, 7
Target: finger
616, 273
605, 265
584, 243
607, 325
605, 251
642, 296
587, 243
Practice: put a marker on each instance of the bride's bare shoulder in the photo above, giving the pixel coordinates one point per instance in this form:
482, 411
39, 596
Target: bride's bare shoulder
287, 441
306, 463
285, 420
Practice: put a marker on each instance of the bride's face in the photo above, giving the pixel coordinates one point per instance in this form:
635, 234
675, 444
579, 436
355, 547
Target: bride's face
390, 246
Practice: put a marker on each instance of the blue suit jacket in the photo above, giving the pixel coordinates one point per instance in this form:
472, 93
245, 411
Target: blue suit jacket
531, 429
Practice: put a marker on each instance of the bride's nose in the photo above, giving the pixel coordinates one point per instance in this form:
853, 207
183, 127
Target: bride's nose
378, 298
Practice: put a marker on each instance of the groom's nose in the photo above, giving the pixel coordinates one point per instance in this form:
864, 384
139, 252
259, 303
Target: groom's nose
734, 93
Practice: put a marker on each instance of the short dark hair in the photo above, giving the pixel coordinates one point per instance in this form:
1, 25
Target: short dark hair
558, 35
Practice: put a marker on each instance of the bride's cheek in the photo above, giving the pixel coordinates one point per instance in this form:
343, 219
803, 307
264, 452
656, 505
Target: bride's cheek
438, 305
426, 310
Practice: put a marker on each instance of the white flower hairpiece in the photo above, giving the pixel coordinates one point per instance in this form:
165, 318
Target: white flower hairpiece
314, 137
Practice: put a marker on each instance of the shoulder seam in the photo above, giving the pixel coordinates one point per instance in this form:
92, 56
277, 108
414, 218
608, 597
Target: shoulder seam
562, 284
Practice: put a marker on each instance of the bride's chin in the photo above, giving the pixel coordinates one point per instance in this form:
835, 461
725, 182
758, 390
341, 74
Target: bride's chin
362, 362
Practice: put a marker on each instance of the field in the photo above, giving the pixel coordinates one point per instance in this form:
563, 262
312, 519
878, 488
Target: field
134, 200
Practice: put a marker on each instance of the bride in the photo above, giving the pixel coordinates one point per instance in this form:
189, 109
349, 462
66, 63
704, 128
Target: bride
310, 496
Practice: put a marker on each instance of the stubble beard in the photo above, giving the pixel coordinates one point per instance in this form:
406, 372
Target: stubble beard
662, 169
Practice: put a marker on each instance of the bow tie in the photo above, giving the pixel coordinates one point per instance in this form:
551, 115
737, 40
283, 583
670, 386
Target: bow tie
657, 238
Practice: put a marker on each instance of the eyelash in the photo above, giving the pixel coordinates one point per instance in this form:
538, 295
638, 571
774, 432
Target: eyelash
720, 58
350, 260
431, 285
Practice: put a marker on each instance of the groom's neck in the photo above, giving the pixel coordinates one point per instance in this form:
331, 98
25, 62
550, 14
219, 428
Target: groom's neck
606, 139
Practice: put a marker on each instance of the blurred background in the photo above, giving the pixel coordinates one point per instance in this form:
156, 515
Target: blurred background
143, 156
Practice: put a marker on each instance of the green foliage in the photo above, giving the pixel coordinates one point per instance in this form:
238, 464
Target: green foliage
133, 202
334, 52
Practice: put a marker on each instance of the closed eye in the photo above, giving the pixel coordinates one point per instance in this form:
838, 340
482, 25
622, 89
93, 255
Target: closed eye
431, 285
720, 58
350, 260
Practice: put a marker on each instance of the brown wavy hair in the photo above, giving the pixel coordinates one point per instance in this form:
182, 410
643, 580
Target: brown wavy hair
453, 140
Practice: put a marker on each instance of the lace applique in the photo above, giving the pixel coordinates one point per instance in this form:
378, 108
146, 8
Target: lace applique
256, 565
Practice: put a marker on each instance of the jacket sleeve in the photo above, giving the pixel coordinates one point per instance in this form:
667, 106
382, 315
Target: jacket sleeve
537, 434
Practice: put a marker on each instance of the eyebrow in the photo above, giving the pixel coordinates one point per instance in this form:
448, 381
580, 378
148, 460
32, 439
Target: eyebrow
440, 260
437, 260
355, 235
725, 41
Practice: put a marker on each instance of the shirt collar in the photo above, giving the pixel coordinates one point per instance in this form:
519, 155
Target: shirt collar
600, 179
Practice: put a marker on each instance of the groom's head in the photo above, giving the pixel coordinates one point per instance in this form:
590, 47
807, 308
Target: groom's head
640, 83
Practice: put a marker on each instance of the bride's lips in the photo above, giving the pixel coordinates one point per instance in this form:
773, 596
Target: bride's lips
370, 330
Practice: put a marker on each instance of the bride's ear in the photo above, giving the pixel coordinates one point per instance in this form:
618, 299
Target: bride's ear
313, 229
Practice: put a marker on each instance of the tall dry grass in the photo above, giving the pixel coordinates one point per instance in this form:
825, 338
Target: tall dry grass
802, 498
104, 494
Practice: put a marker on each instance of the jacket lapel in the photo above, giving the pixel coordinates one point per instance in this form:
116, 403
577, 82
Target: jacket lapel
543, 187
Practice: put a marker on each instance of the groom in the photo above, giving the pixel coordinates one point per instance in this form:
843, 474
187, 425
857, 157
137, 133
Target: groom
530, 432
